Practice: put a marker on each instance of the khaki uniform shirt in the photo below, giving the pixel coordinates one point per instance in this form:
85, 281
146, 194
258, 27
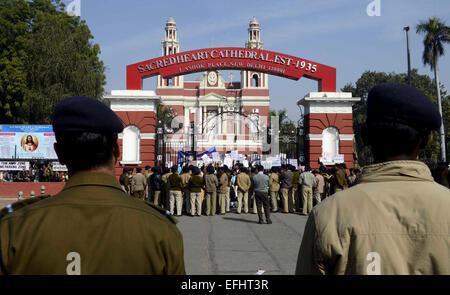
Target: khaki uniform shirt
308, 179
286, 179
211, 183
320, 183
91, 227
147, 173
139, 182
165, 177
185, 179
243, 182
274, 182
223, 184
341, 180
394, 221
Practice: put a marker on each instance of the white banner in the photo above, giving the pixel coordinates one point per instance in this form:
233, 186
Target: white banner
339, 158
276, 162
235, 155
228, 162
216, 157
14, 166
57, 167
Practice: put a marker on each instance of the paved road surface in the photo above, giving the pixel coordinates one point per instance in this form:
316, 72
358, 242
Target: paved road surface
236, 244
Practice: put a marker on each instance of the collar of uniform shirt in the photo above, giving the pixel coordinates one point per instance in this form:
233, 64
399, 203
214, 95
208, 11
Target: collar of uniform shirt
92, 178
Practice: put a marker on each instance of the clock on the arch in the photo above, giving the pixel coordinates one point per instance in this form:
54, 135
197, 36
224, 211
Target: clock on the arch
212, 78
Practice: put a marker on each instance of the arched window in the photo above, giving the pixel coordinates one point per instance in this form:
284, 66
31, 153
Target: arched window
255, 80
330, 144
131, 144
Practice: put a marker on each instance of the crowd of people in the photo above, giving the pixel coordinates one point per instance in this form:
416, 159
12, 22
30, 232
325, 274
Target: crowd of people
212, 190
38, 172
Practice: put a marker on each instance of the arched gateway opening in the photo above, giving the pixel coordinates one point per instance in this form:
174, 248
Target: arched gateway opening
214, 114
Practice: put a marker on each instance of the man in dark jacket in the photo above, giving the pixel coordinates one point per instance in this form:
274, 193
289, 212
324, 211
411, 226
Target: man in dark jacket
155, 185
286, 180
260, 185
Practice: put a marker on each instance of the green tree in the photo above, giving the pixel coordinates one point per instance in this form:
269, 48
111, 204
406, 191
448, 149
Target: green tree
166, 116
361, 89
45, 55
286, 125
436, 35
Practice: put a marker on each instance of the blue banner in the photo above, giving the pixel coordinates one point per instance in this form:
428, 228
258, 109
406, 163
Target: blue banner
208, 153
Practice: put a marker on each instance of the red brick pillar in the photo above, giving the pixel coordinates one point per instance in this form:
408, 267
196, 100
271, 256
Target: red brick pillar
137, 111
328, 121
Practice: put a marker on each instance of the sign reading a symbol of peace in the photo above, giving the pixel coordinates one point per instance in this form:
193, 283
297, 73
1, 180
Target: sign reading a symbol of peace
232, 58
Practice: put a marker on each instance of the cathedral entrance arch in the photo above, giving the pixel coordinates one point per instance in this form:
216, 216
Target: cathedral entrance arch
232, 58
209, 97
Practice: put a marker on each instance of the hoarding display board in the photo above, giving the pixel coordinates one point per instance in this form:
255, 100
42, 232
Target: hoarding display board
27, 142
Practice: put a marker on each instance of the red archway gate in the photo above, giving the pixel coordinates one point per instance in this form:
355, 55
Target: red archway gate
232, 58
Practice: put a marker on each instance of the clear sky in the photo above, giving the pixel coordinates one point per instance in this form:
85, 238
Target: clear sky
338, 33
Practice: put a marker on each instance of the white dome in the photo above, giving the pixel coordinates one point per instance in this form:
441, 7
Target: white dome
254, 21
171, 20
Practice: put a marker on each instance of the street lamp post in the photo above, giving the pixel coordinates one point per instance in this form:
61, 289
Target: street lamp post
193, 153
409, 57
159, 143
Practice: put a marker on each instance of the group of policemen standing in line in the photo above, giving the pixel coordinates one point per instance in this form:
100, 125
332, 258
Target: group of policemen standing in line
393, 221
212, 189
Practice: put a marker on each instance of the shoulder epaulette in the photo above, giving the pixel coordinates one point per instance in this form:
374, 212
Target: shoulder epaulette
163, 211
20, 204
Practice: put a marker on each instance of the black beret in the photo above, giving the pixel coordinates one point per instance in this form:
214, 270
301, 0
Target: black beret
402, 104
81, 113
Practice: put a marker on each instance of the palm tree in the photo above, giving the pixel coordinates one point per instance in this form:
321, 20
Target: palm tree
436, 35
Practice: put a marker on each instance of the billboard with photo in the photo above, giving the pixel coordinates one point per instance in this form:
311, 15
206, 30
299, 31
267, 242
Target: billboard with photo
27, 142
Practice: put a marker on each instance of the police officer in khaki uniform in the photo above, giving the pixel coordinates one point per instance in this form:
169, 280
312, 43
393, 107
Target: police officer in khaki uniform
243, 183
395, 220
139, 183
211, 184
274, 187
92, 226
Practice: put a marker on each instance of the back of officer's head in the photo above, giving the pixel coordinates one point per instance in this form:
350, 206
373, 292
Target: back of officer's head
86, 133
174, 169
210, 169
400, 119
196, 171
